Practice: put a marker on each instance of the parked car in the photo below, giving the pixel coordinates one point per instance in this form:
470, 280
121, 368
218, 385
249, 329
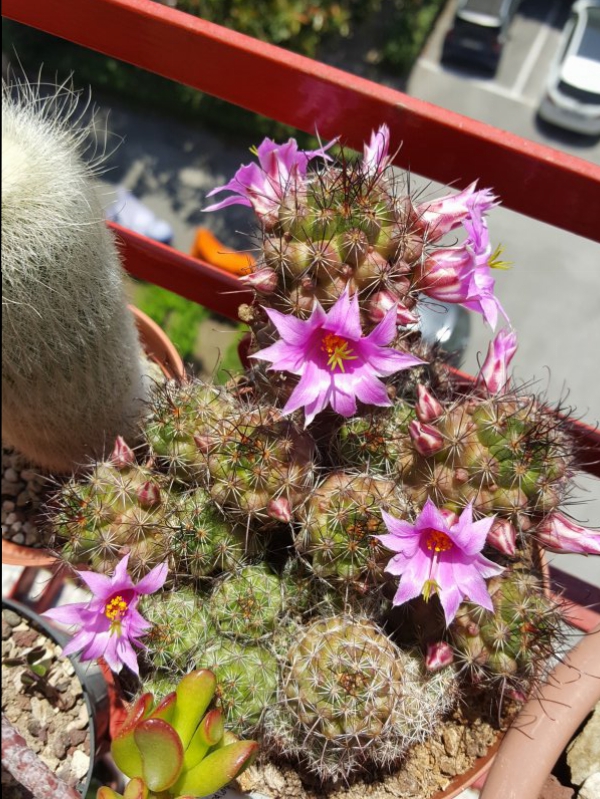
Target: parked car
479, 32
572, 96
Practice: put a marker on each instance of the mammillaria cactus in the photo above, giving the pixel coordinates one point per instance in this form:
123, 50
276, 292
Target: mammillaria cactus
179, 747
65, 322
352, 538
350, 699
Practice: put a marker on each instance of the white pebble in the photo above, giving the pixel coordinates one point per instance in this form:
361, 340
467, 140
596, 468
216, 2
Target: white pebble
80, 765
11, 475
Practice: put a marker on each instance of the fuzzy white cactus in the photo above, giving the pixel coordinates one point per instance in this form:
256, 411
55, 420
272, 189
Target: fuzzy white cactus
72, 365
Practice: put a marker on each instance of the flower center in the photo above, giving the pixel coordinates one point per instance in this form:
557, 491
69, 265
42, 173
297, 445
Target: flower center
438, 541
338, 350
114, 611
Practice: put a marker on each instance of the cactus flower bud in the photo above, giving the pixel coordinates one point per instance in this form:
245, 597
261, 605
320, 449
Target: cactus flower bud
449, 515
503, 537
493, 375
438, 656
383, 301
122, 455
560, 534
280, 509
427, 439
264, 281
428, 409
149, 495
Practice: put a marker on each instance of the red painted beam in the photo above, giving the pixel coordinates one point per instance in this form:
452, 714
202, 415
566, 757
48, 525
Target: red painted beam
173, 270
535, 180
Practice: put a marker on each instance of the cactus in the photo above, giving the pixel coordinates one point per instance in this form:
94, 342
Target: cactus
72, 368
257, 466
351, 700
338, 523
178, 747
509, 647
507, 455
122, 506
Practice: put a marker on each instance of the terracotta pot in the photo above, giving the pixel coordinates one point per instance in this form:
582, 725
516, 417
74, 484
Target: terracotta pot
161, 351
546, 723
93, 682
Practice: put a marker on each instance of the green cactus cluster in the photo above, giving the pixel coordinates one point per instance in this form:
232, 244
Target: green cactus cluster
507, 455
121, 506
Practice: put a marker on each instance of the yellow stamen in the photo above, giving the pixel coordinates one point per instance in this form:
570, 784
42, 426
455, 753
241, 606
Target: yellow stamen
115, 609
439, 542
495, 262
338, 350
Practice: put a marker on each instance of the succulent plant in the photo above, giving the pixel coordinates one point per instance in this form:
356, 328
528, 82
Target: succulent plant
510, 646
65, 321
338, 525
179, 747
122, 506
350, 699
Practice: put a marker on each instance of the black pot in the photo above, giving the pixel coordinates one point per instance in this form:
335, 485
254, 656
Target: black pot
95, 689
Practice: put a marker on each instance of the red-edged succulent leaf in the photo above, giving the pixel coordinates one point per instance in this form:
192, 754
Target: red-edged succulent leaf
217, 769
108, 793
194, 694
161, 751
136, 789
140, 709
209, 733
165, 709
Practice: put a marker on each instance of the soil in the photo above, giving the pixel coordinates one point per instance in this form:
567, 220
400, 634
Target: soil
430, 767
52, 716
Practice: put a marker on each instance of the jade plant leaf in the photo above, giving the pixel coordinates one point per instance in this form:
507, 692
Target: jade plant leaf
217, 769
208, 734
161, 752
125, 753
165, 709
136, 789
194, 695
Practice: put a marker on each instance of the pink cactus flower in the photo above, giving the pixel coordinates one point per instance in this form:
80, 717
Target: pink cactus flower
435, 556
447, 213
262, 186
336, 364
110, 623
493, 375
503, 537
376, 154
560, 534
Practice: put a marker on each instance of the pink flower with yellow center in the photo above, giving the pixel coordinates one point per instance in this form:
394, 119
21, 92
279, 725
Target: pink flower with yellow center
336, 363
110, 624
440, 554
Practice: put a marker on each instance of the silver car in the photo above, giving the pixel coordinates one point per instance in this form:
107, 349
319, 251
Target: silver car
572, 98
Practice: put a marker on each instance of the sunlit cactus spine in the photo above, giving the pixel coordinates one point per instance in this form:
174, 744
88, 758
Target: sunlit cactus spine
338, 525
509, 647
72, 364
350, 700
124, 507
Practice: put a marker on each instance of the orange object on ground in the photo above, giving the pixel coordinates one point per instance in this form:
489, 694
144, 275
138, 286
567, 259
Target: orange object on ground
207, 247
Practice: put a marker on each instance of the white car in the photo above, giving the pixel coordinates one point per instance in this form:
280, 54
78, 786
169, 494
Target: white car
572, 98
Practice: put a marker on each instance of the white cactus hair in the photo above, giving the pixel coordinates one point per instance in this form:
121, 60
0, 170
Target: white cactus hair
72, 366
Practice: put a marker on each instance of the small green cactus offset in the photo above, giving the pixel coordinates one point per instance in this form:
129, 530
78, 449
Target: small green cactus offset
179, 747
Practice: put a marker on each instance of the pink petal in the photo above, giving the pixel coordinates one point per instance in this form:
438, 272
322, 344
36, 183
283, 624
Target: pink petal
292, 330
384, 333
126, 655
371, 391
342, 402
67, 614
400, 527
154, 580
343, 318
432, 518
99, 584
450, 601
